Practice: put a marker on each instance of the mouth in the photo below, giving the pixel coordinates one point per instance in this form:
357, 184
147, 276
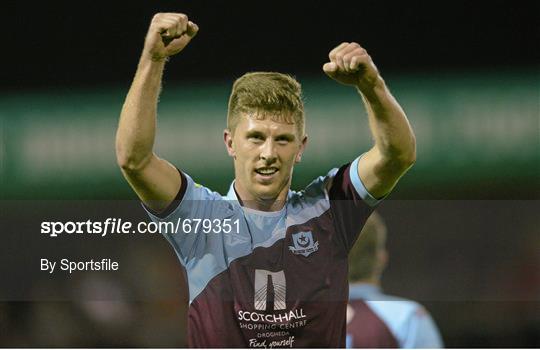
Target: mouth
266, 173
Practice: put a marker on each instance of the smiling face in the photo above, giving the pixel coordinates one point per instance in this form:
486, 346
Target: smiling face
264, 153
265, 136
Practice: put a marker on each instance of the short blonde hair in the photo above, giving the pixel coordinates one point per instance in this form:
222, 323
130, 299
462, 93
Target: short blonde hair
267, 94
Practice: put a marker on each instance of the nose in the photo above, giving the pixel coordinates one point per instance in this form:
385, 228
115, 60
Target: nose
268, 151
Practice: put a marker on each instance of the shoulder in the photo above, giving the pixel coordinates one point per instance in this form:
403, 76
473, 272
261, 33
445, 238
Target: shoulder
342, 183
195, 191
408, 320
317, 190
192, 200
311, 202
394, 310
395, 305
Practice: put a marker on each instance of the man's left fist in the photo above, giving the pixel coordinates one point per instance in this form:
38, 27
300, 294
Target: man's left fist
350, 64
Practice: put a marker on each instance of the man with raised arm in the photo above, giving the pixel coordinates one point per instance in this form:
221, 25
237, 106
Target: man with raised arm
266, 266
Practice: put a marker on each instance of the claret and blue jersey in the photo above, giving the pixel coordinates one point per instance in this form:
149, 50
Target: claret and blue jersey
277, 279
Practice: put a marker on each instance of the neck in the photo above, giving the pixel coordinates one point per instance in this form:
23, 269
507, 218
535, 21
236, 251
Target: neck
266, 204
262, 204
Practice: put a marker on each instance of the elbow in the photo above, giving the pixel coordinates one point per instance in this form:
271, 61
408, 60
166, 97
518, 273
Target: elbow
408, 162
410, 156
405, 162
402, 158
129, 162
125, 164
130, 165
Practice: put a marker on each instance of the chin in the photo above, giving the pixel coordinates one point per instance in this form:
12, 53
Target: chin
267, 192
267, 195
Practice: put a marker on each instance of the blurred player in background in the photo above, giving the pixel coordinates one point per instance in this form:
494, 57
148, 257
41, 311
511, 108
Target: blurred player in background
266, 266
374, 319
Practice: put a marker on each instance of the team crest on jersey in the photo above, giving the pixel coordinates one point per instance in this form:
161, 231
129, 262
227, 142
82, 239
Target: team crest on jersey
303, 243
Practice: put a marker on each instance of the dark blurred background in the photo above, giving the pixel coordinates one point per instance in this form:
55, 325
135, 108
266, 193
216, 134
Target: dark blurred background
464, 237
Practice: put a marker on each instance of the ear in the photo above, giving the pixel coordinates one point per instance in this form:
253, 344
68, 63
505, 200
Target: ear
228, 139
302, 149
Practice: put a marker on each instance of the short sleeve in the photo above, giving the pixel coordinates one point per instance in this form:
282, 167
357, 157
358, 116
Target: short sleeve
193, 201
359, 185
350, 203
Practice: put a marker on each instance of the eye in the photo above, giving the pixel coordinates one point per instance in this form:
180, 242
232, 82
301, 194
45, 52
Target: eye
282, 140
256, 138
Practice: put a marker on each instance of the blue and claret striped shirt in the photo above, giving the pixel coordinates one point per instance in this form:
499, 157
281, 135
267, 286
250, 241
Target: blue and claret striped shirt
269, 279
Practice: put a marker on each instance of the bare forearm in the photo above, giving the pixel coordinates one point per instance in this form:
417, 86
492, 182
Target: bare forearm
393, 135
137, 126
395, 146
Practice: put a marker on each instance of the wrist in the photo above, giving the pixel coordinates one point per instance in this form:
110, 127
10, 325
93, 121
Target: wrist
149, 67
148, 57
370, 87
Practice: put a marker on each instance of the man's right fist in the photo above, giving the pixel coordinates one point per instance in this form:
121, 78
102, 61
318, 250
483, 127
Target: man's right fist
168, 34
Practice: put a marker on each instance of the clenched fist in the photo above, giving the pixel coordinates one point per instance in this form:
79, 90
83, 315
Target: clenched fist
168, 34
350, 64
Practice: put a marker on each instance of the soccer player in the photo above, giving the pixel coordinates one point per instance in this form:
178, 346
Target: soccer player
374, 319
266, 266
